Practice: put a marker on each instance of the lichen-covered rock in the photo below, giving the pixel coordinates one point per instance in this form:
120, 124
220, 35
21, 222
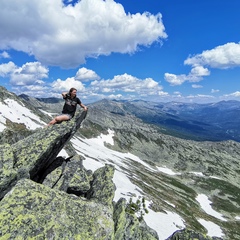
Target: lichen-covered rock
127, 226
53, 180
80, 182
32, 210
103, 188
187, 234
8, 175
70, 177
39, 150
119, 217
14, 132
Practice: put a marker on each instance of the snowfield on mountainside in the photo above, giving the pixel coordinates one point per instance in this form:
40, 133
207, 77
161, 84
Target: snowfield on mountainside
97, 155
18, 113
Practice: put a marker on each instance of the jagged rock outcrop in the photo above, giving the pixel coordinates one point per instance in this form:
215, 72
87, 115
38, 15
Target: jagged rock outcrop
187, 234
127, 226
45, 196
31, 157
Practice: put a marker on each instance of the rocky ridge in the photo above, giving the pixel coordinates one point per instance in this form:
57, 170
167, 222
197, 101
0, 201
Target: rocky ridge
48, 197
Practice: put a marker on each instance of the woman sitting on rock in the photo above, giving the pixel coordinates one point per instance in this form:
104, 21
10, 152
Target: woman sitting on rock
69, 108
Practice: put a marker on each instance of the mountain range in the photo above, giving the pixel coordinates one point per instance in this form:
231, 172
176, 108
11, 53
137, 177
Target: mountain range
213, 121
201, 122
182, 158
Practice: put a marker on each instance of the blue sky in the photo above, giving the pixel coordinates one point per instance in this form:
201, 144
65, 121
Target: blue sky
157, 50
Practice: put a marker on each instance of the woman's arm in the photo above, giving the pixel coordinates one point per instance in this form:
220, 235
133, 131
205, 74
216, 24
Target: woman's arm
64, 94
83, 106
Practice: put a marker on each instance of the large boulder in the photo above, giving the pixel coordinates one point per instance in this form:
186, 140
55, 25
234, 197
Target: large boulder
32, 210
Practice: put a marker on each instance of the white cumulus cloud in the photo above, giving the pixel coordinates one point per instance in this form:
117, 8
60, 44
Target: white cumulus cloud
214, 90
85, 75
174, 79
235, 94
128, 84
65, 35
4, 54
224, 56
29, 74
196, 86
64, 85
221, 57
7, 68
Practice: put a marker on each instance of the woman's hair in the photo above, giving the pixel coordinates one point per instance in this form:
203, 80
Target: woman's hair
72, 89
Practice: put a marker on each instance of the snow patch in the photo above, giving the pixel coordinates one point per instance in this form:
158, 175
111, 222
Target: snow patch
167, 171
106, 138
63, 153
215, 177
165, 224
213, 229
18, 113
206, 206
197, 173
47, 113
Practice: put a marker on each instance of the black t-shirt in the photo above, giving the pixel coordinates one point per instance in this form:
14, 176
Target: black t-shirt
70, 105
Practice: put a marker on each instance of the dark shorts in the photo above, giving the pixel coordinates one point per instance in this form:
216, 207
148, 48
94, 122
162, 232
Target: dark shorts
65, 114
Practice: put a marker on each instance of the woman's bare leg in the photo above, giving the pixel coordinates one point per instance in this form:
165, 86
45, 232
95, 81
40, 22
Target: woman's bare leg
58, 119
